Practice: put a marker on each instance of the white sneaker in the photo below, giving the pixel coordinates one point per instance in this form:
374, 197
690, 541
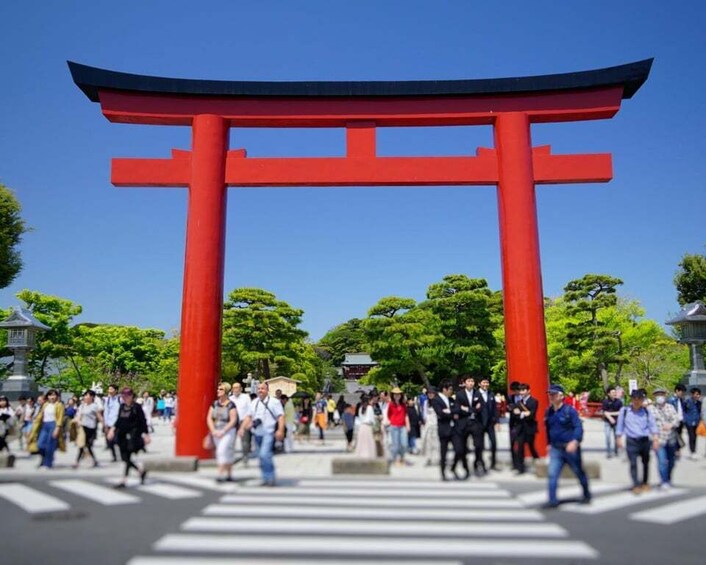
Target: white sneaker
665, 487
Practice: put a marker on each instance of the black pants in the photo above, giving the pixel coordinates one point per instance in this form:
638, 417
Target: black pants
490, 432
456, 440
521, 436
90, 434
691, 430
474, 432
638, 447
349, 436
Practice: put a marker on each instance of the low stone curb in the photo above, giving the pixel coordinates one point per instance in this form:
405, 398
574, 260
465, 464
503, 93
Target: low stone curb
358, 466
591, 468
173, 464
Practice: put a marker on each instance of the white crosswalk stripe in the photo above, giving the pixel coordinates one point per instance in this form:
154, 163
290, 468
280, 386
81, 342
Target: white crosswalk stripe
371, 527
31, 500
378, 492
172, 492
397, 484
619, 501
162, 560
673, 513
361, 520
371, 512
102, 495
359, 546
535, 498
418, 502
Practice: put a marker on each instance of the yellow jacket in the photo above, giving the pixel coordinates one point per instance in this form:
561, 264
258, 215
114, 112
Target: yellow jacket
37, 426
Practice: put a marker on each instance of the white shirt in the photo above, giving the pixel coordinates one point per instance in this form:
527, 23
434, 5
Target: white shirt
367, 416
268, 412
242, 405
446, 401
111, 409
49, 412
88, 415
484, 394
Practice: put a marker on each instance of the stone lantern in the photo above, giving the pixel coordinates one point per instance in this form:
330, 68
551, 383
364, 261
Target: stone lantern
692, 324
22, 328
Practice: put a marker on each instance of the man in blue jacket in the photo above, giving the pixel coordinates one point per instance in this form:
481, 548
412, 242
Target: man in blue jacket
692, 417
564, 435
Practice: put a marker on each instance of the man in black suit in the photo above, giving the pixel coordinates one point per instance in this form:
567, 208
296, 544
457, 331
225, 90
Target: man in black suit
524, 411
488, 419
468, 401
444, 406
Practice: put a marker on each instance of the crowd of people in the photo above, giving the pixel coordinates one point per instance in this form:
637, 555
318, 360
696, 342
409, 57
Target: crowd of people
451, 426
46, 424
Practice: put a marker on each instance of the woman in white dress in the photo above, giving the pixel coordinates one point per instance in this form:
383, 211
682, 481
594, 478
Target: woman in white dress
365, 443
222, 424
430, 435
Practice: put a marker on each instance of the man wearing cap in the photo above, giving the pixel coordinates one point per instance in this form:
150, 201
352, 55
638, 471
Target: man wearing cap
564, 435
667, 423
637, 424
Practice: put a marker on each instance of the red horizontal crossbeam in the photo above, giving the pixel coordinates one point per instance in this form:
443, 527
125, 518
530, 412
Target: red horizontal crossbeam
164, 109
363, 171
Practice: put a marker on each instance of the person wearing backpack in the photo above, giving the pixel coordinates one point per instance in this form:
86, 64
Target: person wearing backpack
266, 420
636, 423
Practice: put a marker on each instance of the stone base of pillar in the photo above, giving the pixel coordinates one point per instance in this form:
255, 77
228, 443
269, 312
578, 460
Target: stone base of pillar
14, 387
696, 379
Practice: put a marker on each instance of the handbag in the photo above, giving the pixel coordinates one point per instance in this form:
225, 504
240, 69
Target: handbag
208, 442
80, 437
701, 429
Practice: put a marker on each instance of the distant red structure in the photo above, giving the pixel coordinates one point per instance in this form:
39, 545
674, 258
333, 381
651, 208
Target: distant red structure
211, 108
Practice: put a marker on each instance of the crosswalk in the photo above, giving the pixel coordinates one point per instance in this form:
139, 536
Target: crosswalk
318, 521
322, 521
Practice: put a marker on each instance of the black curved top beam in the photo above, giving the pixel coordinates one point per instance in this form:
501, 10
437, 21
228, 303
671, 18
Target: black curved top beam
630, 76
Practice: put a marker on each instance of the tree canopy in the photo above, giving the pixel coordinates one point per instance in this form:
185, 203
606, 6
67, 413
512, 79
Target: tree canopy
690, 279
12, 226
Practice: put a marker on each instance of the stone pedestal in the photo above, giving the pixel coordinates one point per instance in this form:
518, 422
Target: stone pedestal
17, 386
696, 379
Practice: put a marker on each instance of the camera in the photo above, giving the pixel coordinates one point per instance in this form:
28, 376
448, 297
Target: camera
256, 423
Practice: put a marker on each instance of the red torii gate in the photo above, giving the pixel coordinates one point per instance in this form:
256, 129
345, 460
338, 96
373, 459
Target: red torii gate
510, 105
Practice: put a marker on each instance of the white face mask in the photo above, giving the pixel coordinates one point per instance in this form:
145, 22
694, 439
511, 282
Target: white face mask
660, 399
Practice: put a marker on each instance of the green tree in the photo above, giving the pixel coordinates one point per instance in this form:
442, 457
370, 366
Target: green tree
260, 331
403, 339
56, 345
463, 307
347, 337
588, 335
12, 226
690, 279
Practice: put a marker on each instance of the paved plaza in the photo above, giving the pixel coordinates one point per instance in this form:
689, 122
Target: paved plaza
314, 517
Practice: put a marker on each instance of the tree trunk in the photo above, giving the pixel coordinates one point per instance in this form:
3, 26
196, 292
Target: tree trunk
265, 369
604, 375
425, 379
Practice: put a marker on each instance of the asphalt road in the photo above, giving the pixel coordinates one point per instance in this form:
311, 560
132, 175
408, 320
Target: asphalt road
188, 519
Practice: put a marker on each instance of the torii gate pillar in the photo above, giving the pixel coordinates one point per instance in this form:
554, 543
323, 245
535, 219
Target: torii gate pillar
523, 299
202, 302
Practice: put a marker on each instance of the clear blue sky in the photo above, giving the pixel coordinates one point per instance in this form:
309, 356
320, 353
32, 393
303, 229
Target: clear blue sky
335, 252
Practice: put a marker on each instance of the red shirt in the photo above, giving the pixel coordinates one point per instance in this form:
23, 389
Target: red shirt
397, 413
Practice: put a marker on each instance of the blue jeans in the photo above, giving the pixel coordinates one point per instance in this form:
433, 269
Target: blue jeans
666, 456
47, 444
611, 445
412, 443
264, 446
398, 439
557, 459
